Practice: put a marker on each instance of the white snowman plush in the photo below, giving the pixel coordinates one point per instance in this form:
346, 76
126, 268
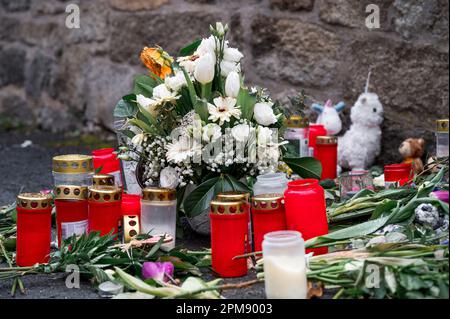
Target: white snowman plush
329, 116
361, 144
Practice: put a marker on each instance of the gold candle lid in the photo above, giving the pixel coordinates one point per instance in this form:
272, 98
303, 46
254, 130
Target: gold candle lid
156, 194
442, 126
233, 196
71, 192
297, 121
34, 201
267, 201
73, 163
104, 194
326, 140
103, 180
131, 227
227, 208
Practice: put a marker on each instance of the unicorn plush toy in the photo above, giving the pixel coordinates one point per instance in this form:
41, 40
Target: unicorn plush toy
361, 144
329, 116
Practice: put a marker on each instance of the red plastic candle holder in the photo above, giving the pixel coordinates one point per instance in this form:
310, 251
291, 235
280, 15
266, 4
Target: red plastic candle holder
34, 221
104, 207
268, 215
314, 131
109, 163
305, 208
397, 174
131, 205
71, 211
229, 237
326, 153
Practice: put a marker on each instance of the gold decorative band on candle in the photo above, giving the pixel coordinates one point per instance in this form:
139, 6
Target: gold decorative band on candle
267, 201
71, 192
103, 180
442, 126
228, 207
34, 200
73, 164
326, 140
131, 227
156, 194
233, 196
104, 194
297, 121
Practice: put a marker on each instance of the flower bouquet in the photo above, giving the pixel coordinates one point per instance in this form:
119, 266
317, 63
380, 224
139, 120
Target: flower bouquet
193, 125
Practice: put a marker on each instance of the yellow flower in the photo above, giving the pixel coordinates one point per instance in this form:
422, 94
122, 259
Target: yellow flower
157, 61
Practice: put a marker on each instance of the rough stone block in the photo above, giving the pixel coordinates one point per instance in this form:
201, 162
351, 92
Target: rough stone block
292, 5
136, 5
12, 65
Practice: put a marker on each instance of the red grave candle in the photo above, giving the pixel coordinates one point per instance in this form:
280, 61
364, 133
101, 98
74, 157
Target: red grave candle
306, 210
104, 207
71, 211
109, 163
229, 233
397, 174
267, 215
326, 153
131, 205
34, 221
314, 131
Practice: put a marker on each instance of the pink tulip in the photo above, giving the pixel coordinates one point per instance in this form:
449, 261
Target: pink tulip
441, 195
160, 271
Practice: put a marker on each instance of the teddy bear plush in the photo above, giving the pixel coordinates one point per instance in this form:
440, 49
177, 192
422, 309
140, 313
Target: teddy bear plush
412, 150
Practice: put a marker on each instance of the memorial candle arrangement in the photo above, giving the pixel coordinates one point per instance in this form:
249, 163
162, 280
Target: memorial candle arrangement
71, 211
306, 210
397, 174
103, 180
159, 213
442, 138
34, 222
273, 183
315, 130
229, 234
284, 265
297, 133
326, 153
267, 216
72, 169
104, 206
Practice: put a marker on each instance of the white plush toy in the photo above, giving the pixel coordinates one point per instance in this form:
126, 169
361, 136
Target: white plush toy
361, 144
329, 116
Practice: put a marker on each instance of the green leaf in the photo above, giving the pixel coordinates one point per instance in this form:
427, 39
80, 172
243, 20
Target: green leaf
358, 230
306, 167
384, 207
236, 185
199, 199
125, 108
144, 84
191, 88
190, 49
247, 103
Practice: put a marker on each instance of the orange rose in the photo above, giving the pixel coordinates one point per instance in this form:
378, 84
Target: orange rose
157, 61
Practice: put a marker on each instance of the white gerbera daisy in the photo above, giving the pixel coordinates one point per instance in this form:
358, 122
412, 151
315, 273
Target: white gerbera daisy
223, 109
179, 151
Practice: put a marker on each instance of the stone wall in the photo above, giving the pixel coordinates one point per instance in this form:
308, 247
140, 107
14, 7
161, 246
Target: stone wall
61, 79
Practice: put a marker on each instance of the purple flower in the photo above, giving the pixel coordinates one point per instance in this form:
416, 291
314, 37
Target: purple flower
441, 195
160, 271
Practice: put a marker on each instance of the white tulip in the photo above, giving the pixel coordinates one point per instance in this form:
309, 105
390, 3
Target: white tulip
207, 46
232, 84
137, 139
220, 28
241, 132
168, 178
176, 82
211, 132
229, 66
263, 113
232, 55
204, 69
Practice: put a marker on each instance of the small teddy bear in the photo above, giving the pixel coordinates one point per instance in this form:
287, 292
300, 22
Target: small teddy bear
412, 150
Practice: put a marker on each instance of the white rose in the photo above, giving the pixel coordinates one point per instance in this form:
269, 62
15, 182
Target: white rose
211, 132
263, 114
161, 92
240, 132
232, 55
232, 84
229, 66
204, 69
176, 82
168, 178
